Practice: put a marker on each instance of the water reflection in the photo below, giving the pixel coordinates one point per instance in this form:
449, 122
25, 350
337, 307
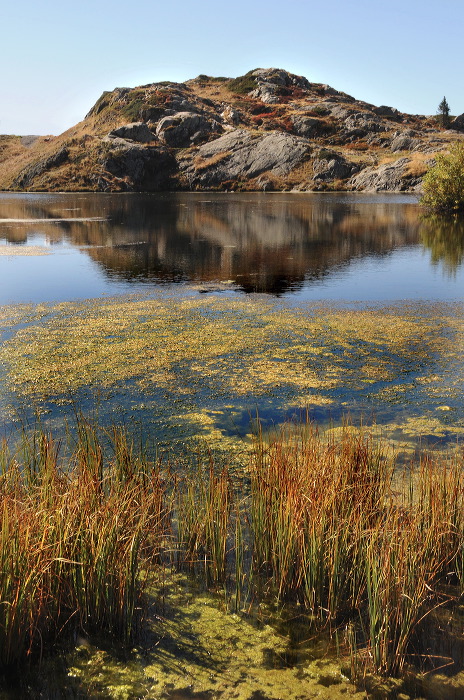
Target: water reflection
264, 243
444, 236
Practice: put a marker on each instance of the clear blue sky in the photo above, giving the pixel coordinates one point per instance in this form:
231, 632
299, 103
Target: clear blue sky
58, 56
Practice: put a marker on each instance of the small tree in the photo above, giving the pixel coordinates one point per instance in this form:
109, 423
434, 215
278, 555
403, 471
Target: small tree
443, 113
444, 183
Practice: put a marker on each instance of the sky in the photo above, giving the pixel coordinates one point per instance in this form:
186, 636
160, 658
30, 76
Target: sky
58, 56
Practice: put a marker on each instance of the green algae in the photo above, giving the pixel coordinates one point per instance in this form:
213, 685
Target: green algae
193, 648
182, 359
196, 649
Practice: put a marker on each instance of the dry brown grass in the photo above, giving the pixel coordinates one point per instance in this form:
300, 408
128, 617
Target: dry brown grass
418, 165
14, 157
204, 163
213, 91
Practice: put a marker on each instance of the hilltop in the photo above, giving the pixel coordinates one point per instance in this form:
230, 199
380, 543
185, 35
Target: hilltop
266, 130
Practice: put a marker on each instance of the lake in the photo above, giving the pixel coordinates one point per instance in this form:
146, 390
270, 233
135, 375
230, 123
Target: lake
187, 317
188, 313
304, 246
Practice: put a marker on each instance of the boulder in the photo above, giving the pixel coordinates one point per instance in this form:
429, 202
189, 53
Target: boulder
458, 123
147, 168
338, 111
234, 140
403, 142
363, 122
389, 177
137, 131
242, 155
307, 127
185, 129
385, 111
274, 83
333, 168
231, 116
359, 125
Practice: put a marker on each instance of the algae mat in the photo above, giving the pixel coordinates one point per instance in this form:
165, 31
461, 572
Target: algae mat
196, 650
193, 649
189, 366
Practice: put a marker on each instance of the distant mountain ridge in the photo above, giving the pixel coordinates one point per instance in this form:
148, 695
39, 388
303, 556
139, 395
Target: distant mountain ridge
266, 130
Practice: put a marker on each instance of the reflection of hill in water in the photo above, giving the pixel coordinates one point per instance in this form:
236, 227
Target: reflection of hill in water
263, 242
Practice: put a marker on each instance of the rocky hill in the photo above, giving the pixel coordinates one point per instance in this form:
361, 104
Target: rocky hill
266, 130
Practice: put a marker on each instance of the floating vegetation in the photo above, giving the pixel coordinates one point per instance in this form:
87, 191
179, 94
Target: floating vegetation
186, 357
23, 250
200, 651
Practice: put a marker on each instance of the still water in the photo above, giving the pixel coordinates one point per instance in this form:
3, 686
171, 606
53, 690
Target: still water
304, 246
190, 312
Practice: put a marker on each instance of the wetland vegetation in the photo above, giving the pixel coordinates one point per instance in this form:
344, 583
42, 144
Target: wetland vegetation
278, 511
97, 539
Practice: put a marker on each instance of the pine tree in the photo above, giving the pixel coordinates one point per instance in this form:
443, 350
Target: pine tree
443, 113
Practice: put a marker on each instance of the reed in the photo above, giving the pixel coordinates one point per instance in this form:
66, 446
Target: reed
326, 521
311, 500
204, 507
75, 540
400, 574
336, 528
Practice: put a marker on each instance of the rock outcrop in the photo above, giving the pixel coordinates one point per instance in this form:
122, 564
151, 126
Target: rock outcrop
390, 177
273, 84
27, 176
241, 155
184, 129
268, 129
458, 123
136, 168
333, 167
405, 141
138, 131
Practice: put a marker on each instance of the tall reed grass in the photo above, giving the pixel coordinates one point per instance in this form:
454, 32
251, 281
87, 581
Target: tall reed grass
204, 505
333, 524
328, 522
79, 534
357, 541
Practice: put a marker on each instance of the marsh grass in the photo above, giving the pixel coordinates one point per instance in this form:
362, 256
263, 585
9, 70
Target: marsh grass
311, 499
324, 521
78, 530
204, 508
360, 543
329, 522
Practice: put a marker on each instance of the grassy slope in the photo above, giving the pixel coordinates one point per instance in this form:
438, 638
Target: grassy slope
84, 139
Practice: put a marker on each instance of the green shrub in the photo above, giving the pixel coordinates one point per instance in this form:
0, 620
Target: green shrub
132, 110
244, 84
202, 78
444, 182
319, 111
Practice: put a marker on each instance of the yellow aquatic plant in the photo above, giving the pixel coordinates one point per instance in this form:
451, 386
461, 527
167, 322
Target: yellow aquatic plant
197, 354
